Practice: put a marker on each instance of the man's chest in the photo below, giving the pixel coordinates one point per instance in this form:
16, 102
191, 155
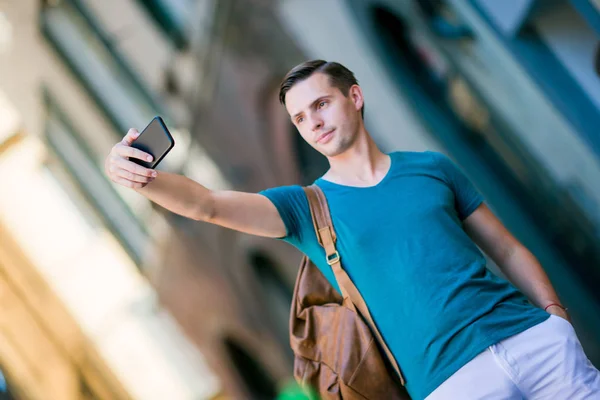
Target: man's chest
410, 207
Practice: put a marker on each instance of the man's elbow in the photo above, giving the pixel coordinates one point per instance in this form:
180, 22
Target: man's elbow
515, 254
204, 208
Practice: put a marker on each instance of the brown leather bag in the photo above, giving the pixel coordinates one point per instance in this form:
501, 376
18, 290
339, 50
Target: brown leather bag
337, 349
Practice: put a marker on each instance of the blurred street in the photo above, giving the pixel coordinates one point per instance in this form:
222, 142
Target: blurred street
106, 295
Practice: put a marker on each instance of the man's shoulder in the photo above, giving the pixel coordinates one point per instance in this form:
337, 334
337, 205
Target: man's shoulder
287, 195
425, 157
282, 189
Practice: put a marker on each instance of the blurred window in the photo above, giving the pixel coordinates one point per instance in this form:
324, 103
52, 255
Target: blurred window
277, 295
509, 17
90, 184
443, 20
572, 42
173, 17
75, 35
256, 379
555, 43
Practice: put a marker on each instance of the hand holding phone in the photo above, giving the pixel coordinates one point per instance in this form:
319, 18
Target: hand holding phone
155, 140
131, 161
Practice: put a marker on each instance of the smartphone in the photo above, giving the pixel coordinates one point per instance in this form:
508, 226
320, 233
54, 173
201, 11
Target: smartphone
155, 140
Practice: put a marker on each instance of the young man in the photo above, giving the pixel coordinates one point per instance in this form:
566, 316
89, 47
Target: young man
408, 224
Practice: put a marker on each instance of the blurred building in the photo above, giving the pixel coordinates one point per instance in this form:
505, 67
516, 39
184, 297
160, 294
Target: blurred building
80, 319
124, 300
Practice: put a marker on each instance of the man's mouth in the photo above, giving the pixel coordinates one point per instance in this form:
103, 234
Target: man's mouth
325, 136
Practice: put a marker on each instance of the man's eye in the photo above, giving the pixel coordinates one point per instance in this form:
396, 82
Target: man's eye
299, 120
321, 104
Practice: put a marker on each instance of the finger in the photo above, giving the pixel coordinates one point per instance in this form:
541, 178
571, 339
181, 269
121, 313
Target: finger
133, 167
129, 184
121, 173
132, 152
131, 135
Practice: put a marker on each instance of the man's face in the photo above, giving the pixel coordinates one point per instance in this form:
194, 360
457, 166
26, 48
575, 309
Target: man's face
325, 118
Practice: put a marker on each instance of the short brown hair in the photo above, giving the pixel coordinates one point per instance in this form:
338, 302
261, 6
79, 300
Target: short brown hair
339, 77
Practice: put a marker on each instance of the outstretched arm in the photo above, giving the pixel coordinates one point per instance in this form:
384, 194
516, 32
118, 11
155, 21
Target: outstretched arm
245, 212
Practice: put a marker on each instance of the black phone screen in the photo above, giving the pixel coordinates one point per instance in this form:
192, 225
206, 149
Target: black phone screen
155, 140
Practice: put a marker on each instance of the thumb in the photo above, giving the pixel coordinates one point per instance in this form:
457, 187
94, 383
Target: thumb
128, 139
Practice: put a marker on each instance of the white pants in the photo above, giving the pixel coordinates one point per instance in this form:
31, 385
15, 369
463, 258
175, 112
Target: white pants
545, 361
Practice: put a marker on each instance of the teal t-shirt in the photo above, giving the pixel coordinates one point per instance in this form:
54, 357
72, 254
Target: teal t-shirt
424, 280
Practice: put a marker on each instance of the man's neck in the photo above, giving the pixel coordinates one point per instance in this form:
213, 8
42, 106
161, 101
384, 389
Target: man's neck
361, 165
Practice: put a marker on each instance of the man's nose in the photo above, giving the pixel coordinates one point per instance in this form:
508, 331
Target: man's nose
317, 123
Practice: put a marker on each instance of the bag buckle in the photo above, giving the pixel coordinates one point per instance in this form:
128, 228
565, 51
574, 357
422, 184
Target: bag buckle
336, 258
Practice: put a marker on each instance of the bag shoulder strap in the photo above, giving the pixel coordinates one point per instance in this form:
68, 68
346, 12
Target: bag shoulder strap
326, 236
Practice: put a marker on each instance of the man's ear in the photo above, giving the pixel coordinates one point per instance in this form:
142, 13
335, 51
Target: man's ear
356, 95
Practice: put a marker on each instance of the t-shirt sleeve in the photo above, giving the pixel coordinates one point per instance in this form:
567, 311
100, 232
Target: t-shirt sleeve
292, 204
467, 197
